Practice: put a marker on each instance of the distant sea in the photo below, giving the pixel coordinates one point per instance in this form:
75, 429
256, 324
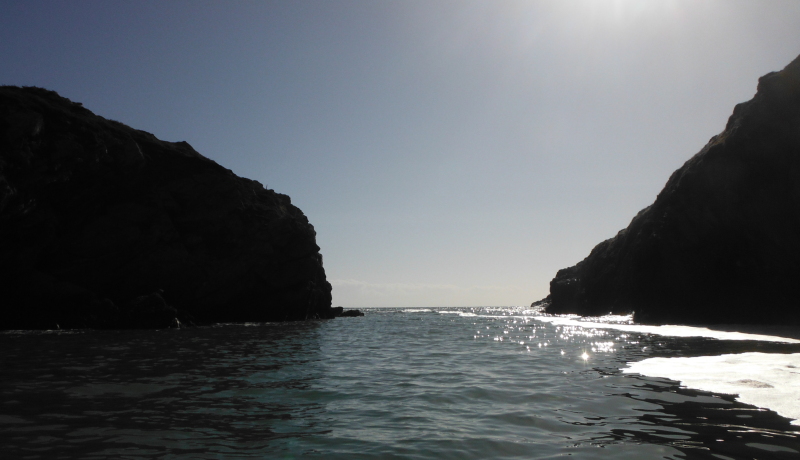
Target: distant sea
460, 383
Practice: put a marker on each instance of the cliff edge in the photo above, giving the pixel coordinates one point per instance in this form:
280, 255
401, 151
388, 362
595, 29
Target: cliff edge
721, 242
102, 225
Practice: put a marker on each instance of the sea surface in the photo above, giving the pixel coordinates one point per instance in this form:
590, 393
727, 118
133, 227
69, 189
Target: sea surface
469, 383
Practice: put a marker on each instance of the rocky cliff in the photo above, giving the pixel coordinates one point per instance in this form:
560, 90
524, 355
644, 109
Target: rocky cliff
102, 225
721, 242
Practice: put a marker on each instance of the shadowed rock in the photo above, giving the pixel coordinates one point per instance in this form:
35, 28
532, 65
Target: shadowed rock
95, 214
721, 243
341, 312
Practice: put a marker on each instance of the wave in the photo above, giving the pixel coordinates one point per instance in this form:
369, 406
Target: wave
669, 330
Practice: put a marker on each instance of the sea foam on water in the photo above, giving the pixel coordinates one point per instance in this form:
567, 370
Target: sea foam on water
766, 380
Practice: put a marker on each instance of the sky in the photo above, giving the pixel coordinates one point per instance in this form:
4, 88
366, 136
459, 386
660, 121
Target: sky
448, 153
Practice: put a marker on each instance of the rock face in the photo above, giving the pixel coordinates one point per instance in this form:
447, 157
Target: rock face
721, 243
102, 225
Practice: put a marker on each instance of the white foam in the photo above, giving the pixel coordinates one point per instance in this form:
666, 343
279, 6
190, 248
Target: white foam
416, 310
669, 330
767, 380
455, 312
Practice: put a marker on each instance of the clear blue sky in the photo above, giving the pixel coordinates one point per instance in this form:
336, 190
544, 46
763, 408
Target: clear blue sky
449, 153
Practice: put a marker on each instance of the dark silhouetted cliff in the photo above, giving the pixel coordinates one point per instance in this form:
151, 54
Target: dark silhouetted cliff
721, 243
102, 225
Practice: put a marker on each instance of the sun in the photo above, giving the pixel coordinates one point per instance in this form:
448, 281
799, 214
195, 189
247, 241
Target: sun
624, 12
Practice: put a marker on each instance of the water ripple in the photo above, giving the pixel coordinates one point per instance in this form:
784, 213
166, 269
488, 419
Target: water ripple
411, 384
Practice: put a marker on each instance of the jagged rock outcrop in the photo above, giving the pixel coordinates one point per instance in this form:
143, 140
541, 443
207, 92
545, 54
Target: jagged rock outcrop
98, 221
721, 243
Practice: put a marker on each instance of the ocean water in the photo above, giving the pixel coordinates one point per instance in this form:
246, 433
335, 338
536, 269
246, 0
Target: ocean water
482, 383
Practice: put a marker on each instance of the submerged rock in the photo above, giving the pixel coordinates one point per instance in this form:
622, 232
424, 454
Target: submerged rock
94, 215
721, 243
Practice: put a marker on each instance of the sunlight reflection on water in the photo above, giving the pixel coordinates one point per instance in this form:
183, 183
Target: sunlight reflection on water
405, 383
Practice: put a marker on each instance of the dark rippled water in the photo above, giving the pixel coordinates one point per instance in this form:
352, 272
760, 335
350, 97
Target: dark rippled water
392, 384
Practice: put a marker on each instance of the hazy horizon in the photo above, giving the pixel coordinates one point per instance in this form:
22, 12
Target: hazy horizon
448, 153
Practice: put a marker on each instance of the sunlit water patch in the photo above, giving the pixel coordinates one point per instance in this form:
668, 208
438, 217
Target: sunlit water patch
407, 383
625, 323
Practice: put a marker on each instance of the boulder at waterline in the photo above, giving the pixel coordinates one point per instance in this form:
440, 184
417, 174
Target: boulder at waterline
95, 214
341, 312
721, 242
